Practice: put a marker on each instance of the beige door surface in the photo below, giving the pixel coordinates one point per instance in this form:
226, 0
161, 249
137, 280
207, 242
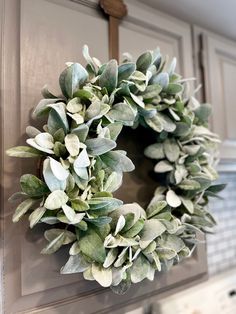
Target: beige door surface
37, 38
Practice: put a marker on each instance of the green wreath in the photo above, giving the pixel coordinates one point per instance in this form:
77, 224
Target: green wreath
112, 243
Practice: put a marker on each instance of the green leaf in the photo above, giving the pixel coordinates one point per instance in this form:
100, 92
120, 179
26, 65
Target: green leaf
33, 186
117, 161
173, 199
75, 264
36, 215
125, 70
134, 230
102, 275
23, 152
119, 225
72, 144
92, 246
167, 124
44, 140
189, 185
46, 94
58, 170
81, 131
151, 230
155, 207
113, 182
88, 58
52, 182
172, 66
163, 166
72, 78
152, 91
82, 161
31, 131
100, 221
42, 109
57, 118
100, 203
52, 234
74, 105
115, 129
161, 79
173, 89
55, 245
140, 269
171, 149
121, 112
98, 146
182, 129
109, 76
17, 196
79, 205
59, 136
22, 208
72, 217
217, 188
203, 112
110, 258
188, 204
138, 100
144, 61
32, 143
154, 123
56, 200
171, 242
154, 151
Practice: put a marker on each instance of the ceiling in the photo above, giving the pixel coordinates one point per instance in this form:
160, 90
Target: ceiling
216, 15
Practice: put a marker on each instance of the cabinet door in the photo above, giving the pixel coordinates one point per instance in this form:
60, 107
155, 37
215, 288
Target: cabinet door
145, 29
219, 69
38, 37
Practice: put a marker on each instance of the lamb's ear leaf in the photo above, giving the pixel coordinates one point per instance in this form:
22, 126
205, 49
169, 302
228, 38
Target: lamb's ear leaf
144, 61
57, 118
75, 264
54, 245
24, 152
117, 161
92, 246
109, 76
173, 199
33, 186
122, 287
36, 215
102, 275
99, 146
56, 200
72, 78
152, 229
72, 144
125, 70
22, 208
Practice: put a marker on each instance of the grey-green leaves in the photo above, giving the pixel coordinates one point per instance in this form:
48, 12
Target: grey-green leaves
109, 76
72, 78
113, 243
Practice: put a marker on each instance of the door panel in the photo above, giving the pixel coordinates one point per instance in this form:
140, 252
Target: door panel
38, 38
218, 63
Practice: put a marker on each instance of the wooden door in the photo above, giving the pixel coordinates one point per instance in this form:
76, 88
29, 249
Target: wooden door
38, 37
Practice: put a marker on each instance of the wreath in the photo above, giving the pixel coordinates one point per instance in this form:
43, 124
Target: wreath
113, 243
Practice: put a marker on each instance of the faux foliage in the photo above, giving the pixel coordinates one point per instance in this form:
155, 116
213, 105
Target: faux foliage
113, 243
